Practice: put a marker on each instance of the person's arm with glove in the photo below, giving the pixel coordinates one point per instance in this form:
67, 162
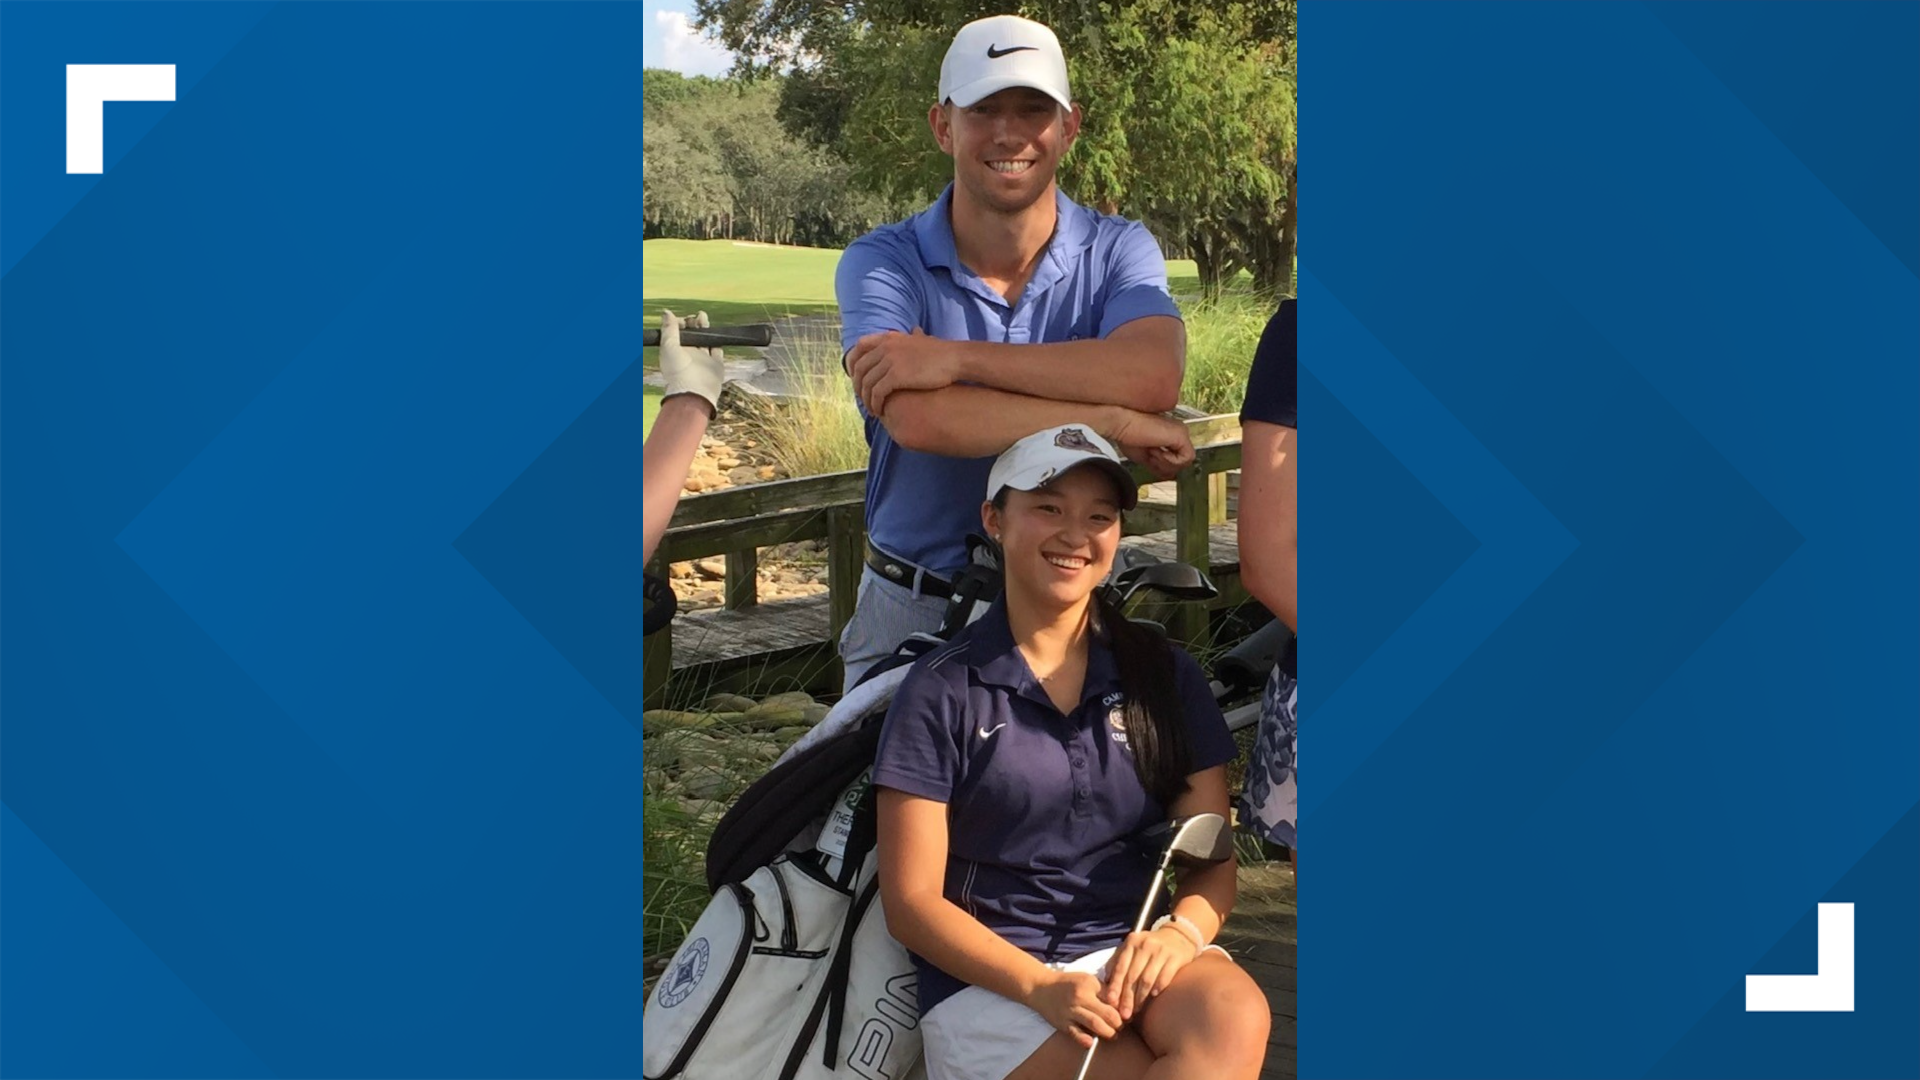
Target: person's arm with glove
693, 393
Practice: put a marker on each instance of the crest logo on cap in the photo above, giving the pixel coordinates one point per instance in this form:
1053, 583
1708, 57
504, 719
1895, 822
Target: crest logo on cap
1074, 439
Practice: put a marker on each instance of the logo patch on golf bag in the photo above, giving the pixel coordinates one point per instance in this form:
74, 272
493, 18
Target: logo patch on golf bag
790, 973
678, 983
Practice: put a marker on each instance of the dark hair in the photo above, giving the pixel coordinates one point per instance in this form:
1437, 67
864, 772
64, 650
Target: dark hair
1156, 722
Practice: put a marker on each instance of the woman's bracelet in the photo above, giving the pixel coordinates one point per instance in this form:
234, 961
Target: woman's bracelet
1187, 929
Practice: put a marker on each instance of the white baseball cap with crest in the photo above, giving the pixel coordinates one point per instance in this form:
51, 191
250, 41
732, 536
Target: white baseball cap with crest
1046, 454
991, 55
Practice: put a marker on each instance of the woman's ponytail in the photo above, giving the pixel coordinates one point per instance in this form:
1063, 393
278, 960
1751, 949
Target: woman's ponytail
1156, 723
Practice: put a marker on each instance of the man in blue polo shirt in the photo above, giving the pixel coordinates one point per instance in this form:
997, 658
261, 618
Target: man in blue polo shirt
1002, 309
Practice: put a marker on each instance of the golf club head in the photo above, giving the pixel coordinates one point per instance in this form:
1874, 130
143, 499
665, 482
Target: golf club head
1195, 840
1174, 580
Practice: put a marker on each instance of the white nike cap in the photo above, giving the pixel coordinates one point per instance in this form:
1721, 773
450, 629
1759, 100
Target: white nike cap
990, 55
1046, 454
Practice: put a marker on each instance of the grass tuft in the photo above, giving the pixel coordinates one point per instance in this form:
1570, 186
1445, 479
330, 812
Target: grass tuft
1221, 337
820, 430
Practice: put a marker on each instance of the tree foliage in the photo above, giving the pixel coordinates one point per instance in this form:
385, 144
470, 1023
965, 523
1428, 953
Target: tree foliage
1190, 110
718, 164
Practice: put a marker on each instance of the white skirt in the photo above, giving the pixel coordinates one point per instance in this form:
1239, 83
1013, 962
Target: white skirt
978, 1035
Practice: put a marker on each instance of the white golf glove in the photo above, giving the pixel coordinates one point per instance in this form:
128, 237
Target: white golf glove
689, 371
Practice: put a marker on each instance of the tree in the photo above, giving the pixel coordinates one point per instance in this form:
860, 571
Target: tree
1190, 109
718, 163
684, 185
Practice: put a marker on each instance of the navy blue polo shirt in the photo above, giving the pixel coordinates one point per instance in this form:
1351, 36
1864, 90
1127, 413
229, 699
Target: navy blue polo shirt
1043, 810
1273, 391
1098, 273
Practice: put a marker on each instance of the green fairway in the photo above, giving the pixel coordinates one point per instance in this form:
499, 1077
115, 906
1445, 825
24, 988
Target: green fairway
749, 283
1183, 279
734, 282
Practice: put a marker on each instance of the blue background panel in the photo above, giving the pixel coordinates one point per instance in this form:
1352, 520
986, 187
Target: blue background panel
1629, 292
319, 693
320, 745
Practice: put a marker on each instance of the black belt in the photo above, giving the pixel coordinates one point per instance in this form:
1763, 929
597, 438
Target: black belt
903, 574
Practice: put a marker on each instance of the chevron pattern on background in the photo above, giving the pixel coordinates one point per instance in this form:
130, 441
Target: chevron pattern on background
1637, 318
307, 771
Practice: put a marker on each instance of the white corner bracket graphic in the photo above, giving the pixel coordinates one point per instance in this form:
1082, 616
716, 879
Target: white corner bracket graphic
1830, 990
89, 88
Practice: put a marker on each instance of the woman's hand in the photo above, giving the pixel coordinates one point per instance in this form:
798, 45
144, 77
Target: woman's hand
1070, 1001
1143, 967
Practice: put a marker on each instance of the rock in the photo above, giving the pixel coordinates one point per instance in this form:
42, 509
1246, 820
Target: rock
728, 703
713, 569
657, 720
712, 784
744, 474
702, 808
685, 752
790, 698
814, 713
773, 718
788, 735
765, 472
680, 571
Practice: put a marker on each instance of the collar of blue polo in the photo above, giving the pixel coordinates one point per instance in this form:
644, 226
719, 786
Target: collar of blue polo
1002, 664
1072, 233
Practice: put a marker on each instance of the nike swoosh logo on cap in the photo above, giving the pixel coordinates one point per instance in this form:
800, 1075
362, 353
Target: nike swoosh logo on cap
995, 54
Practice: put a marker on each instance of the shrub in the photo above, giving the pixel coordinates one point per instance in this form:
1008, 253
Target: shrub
819, 429
1221, 336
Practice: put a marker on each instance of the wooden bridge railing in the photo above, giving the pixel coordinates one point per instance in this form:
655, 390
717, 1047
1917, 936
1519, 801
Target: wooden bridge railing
737, 522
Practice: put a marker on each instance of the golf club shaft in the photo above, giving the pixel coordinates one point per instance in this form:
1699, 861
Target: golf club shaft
1153, 893
1087, 1062
715, 336
1139, 924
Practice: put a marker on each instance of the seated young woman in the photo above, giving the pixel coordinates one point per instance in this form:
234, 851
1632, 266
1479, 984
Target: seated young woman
1018, 767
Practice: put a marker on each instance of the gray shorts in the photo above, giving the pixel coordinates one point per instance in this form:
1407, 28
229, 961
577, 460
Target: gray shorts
884, 615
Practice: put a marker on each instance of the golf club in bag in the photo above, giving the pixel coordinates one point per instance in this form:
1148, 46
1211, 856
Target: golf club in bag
1197, 840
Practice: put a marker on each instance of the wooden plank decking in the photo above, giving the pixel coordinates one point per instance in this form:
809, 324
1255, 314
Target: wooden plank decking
1262, 935
716, 638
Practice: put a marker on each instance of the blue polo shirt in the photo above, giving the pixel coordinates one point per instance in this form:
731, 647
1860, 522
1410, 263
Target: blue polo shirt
1042, 809
1098, 273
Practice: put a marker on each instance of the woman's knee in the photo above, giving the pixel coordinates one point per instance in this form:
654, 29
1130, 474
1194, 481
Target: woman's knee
1215, 1011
